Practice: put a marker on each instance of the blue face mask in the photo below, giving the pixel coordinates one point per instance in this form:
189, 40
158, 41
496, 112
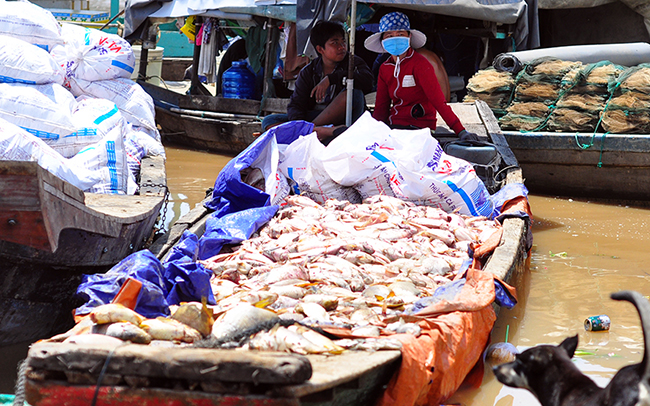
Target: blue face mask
396, 45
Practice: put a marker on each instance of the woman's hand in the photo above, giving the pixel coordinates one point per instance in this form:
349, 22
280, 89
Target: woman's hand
320, 90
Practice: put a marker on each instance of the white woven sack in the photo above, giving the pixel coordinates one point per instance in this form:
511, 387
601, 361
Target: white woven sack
108, 158
17, 144
31, 23
276, 185
91, 54
135, 104
94, 119
43, 110
445, 182
22, 62
301, 163
138, 144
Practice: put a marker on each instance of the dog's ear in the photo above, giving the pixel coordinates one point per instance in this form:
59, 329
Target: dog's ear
569, 345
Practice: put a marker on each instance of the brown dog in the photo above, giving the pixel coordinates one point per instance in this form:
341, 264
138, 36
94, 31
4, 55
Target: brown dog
548, 372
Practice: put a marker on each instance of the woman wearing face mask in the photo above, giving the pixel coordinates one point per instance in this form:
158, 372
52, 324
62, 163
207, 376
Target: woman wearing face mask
408, 92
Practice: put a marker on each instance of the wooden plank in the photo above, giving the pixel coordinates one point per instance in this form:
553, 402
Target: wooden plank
497, 138
195, 364
216, 103
153, 179
275, 105
331, 371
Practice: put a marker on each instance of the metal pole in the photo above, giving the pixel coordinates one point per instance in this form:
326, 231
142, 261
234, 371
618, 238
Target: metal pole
350, 80
268, 69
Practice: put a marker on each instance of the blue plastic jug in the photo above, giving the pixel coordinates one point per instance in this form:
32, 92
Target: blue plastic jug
238, 82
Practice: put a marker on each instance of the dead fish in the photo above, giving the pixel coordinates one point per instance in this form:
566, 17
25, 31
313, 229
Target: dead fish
317, 338
297, 342
400, 327
284, 272
98, 339
124, 331
113, 313
370, 344
328, 302
195, 315
266, 341
312, 310
168, 329
367, 331
404, 288
377, 292
261, 299
292, 291
83, 327
284, 303
253, 177
436, 234
434, 265
240, 318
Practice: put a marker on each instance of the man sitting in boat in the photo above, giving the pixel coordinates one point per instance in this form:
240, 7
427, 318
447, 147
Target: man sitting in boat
320, 94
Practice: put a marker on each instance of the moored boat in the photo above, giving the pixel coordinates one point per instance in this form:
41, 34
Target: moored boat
61, 372
51, 233
606, 167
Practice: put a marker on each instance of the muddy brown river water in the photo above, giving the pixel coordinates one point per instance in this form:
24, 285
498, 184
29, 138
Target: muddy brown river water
582, 252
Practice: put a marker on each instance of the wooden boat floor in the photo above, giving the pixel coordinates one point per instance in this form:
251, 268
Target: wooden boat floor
330, 371
123, 206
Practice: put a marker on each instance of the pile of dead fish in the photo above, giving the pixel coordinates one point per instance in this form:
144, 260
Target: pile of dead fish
313, 269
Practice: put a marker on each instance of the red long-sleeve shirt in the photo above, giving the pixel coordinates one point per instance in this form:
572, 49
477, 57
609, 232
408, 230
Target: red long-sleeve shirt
415, 97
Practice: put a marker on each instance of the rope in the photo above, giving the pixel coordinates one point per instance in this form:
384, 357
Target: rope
602, 139
19, 399
103, 372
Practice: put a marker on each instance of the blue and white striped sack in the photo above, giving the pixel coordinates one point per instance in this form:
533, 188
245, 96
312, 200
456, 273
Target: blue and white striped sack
43, 110
16, 144
22, 62
134, 103
107, 158
89, 54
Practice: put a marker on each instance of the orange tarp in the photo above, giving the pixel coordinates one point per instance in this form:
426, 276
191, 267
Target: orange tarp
454, 335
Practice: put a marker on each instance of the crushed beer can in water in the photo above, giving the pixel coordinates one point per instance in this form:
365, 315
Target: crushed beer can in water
597, 323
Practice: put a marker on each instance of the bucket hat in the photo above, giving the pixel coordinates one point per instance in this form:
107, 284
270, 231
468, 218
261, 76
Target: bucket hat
394, 21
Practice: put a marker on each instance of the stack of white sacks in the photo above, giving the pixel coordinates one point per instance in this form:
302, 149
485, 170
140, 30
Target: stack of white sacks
67, 101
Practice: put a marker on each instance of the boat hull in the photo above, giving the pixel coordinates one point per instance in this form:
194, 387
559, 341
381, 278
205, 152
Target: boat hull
57, 234
615, 167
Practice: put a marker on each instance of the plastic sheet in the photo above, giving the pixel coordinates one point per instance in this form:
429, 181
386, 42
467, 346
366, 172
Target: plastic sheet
99, 289
230, 194
628, 54
232, 228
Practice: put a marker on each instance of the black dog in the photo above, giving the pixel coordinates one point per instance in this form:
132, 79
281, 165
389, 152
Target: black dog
547, 371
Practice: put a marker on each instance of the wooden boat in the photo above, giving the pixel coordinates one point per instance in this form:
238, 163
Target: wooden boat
615, 167
205, 122
134, 375
51, 233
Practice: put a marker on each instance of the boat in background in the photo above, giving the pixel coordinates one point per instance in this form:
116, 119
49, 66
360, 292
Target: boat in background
606, 167
51, 233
